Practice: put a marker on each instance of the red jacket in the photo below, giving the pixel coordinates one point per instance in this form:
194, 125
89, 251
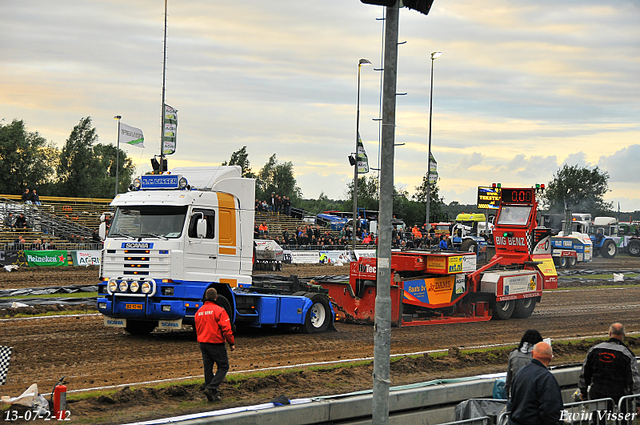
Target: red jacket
213, 325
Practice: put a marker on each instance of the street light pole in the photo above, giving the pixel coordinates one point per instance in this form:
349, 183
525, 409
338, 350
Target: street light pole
434, 56
117, 117
355, 221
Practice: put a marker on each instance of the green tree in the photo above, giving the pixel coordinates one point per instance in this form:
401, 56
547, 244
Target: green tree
581, 189
79, 168
323, 203
436, 203
26, 160
277, 178
241, 158
106, 154
368, 188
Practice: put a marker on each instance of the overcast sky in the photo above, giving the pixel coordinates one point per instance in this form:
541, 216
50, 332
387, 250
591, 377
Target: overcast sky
521, 87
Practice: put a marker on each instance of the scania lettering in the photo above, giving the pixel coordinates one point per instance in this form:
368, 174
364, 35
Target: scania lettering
174, 235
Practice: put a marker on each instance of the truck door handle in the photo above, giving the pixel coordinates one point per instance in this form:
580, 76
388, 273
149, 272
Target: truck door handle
213, 257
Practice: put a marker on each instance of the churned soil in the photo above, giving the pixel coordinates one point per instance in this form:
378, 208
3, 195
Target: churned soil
92, 356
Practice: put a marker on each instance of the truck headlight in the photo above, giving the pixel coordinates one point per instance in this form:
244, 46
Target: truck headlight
134, 286
102, 306
137, 183
123, 286
182, 183
146, 287
113, 285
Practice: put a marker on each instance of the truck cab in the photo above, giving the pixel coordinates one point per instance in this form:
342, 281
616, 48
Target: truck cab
177, 234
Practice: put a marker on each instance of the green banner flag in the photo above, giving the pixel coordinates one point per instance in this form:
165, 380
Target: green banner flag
46, 258
170, 131
363, 160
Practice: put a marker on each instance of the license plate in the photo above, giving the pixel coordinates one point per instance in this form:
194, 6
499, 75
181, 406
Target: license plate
133, 306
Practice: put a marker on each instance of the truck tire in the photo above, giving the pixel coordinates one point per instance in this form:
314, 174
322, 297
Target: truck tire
139, 328
563, 262
223, 302
469, 245
502, 310
609, 249
634, 247
571, 262
524, 308
318, 316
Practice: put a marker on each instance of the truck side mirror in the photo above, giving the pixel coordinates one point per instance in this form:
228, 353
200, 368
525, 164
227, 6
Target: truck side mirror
102, 230
201, 228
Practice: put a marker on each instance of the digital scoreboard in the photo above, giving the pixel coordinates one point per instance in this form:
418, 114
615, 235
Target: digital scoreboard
518, 196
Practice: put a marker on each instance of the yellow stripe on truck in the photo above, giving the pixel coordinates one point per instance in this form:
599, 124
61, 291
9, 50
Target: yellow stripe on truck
227, 229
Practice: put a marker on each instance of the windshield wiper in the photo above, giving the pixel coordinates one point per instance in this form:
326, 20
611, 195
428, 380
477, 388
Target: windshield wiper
122, 234
155, 236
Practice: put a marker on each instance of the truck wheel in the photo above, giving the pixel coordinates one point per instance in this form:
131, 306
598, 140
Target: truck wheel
318, 316
502, 310
571, 262
609, 249
524, 308
139, 328
563, 262
469, 245
223, 302
634, 248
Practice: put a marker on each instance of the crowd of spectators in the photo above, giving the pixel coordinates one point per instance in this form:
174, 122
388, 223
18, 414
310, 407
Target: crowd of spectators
31, 197
275, 204
420, 237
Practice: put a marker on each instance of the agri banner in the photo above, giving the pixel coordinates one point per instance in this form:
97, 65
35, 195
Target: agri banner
86, 258
46, 258
170, 131
8, 258
335, 257
305, 257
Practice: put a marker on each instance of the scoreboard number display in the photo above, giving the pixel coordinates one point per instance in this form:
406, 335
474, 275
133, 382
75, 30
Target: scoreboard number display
518, 196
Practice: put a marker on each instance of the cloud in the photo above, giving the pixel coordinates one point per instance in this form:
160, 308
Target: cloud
622, 165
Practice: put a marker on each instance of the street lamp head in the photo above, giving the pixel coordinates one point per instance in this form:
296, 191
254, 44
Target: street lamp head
117, 117
435, 55
364, 62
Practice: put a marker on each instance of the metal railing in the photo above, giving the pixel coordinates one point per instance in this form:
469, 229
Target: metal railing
601, 411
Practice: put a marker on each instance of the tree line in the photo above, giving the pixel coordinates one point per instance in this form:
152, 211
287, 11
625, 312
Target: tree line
85, 168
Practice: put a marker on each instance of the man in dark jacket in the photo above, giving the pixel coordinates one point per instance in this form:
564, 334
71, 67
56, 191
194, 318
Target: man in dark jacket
610, 369
535, 394
213, 329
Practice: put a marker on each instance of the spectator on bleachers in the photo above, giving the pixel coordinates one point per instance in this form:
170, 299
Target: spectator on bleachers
21, 222
263, 229
26, 197
35, 198
10, 221
287, 205
36, 245
18, 243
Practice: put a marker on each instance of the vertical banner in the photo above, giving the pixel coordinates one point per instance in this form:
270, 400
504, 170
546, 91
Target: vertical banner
170, 132
363, 160
433, 169
5, 359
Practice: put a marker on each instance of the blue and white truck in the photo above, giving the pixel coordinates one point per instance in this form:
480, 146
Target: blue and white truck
176, 234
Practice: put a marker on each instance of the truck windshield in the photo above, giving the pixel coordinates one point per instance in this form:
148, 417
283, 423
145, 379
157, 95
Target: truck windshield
514, 214
148, 221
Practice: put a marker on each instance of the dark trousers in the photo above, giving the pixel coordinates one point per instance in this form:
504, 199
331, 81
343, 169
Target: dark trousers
214, 354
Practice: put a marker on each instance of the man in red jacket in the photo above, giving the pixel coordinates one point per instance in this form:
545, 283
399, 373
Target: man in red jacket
213, 329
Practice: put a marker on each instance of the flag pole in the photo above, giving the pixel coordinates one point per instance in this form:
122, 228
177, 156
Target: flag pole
164, 69
117, 117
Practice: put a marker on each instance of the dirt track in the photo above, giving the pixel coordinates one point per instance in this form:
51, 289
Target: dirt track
91, 355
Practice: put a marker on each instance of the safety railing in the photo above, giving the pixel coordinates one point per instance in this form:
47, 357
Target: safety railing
484, 420
601, 412
628, 406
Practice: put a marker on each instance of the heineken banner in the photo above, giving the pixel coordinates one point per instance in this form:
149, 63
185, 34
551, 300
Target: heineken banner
363, 160
131, 135
433, 169
86, 258
170, 132
46, 258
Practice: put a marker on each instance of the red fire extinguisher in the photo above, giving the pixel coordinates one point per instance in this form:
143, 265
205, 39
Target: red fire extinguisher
60, 400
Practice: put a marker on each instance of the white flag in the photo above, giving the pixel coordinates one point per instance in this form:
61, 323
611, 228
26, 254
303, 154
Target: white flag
131, 135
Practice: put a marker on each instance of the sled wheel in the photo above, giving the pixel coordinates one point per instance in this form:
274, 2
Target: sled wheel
524, 308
